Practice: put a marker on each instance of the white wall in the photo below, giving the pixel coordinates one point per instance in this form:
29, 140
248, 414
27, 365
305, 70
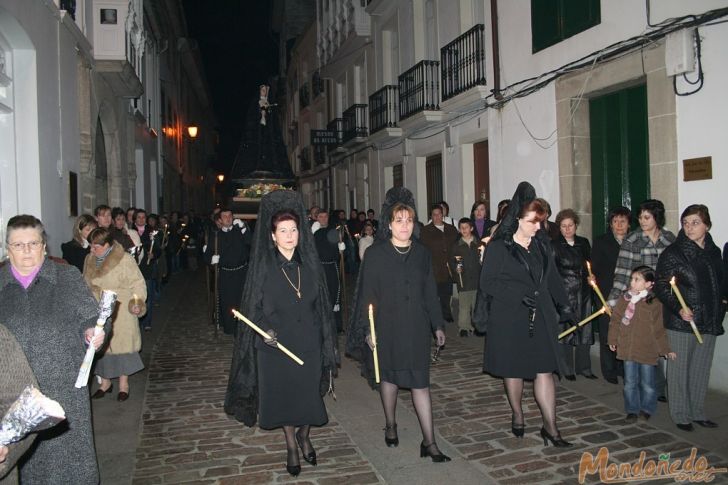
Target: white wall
46, 120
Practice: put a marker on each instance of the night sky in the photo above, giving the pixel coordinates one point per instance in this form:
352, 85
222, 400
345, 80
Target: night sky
239, 53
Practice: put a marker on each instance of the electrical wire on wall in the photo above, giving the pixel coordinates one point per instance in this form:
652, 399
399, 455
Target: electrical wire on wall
699, 81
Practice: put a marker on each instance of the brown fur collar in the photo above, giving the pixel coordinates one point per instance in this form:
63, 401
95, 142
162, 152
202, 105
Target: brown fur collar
90, 271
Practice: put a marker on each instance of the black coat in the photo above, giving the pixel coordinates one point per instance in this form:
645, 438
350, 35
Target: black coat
74, 253
148, 263
701, 280
604, 259
507, 282
571, 263
403, 293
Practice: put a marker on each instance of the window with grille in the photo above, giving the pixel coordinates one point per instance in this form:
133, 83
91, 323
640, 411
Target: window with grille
397, 176
433, 174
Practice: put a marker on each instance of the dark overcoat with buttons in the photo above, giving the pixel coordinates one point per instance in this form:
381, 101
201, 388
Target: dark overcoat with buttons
48, 320
505, 281
403, 293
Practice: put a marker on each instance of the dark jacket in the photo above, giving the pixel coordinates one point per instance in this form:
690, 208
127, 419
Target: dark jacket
48, 320
571, 263
604, 259
439, 242
644, 340
148, 263
470, 260
74, 253
15, 376
487, 225
700, 278
506, 281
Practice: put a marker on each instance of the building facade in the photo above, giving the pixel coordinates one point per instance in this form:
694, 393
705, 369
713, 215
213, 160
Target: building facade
83, 115
597, 104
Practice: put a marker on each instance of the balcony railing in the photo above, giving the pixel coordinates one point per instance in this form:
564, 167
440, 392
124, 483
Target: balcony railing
355, 122
337, 126
319, 155
383, 109
305, 157
303, 96
419, 89
463, 62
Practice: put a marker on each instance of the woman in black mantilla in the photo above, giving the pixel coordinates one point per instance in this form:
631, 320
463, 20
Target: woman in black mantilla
525, 295
396, 278
285, 295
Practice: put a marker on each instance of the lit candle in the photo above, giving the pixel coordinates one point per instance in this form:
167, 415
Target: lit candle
373, 337
265, 335
684, 306
588, 268
583, 322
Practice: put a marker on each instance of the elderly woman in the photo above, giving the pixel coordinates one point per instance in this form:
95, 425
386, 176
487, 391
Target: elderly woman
289, 300
15, 376
109, 267
397, 279
76, 250
571, 253
694, 261
525, 296
51, 312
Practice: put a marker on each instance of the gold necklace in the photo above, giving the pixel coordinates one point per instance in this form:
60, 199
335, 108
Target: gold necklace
297, 289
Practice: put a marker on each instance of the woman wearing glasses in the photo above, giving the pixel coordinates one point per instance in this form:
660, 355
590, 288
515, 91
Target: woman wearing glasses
51, 313
694, 261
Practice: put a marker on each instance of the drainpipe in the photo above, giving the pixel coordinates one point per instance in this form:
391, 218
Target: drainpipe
496, 51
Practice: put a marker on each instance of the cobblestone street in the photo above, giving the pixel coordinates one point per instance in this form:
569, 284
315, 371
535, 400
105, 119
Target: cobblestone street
185, 436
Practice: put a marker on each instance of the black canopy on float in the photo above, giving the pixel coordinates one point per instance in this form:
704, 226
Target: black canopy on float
261, 164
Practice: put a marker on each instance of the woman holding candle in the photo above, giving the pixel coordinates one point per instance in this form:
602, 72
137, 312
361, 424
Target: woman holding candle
51, 313
109, 267
397, 279
286, 296
521, 288
695, 262
571, 253
76, 250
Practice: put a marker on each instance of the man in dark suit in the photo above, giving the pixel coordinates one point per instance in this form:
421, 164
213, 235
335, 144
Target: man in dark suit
438, 237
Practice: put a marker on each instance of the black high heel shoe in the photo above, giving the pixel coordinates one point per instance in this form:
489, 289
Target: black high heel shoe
557, 440
391, 442
292, 470
311, 456
517, 428
426, 450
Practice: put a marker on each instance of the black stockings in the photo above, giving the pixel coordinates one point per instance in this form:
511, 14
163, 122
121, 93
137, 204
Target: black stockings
292, 445
423, 408
544, 390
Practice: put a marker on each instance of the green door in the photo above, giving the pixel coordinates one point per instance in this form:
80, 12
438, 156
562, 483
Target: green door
619, 152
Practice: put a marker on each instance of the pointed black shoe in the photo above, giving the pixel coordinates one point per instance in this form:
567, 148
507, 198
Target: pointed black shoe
517, 428
311, 457
292, 470
557, 441
101, 392
391, 442
426, 451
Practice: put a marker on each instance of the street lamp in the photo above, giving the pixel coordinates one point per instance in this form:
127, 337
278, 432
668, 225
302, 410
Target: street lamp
192, 131
221, 178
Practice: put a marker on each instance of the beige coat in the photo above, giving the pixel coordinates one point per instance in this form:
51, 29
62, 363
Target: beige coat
120, 273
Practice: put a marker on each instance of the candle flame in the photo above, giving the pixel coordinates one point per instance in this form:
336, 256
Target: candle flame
672, 280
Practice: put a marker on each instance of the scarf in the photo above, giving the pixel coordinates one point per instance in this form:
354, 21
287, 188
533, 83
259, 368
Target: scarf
100, 259
633, 300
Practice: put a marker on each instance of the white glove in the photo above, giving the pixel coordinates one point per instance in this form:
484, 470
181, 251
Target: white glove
315, 226
342, 246
337, 307
204, 248
215, 259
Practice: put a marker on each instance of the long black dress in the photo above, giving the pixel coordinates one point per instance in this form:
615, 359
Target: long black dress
402, 290
511, 274
289, 393
571, 264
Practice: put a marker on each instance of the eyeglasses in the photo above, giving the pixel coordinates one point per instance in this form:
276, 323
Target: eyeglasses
19, 246
694, 223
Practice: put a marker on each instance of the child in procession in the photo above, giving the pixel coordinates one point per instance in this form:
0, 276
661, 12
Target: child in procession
464, 266
637, 334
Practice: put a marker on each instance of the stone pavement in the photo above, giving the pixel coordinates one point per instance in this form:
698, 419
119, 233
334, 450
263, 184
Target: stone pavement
185, 437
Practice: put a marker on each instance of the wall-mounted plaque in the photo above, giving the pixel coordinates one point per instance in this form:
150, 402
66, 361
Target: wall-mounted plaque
698, 169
